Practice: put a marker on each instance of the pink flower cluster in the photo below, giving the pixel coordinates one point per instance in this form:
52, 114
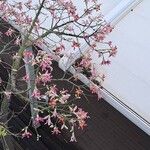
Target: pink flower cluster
9, 32
59, 110
71, 9
67, 28
45, 77
81, 116
26, 133
36, 93
100, 36
44, 60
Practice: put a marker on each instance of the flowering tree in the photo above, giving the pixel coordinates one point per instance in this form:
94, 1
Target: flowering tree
64, 27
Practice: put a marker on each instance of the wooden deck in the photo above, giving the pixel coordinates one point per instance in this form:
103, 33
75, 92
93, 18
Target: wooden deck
107, 129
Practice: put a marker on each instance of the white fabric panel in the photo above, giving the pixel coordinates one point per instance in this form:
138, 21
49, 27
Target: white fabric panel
128, 77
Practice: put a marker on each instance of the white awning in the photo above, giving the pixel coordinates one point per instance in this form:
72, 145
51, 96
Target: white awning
128, 78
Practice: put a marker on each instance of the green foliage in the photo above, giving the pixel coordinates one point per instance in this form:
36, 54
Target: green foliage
3, 131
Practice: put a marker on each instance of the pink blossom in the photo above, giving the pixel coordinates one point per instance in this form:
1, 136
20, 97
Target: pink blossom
52, 102
28, 20
36, 93
81, 114
88, 11
93, 88
113, 51
61, 118
48, 120
94, 73
26, 78
85, 62
45, 77
82, 124
98, 7
18, 41
38, 120
59, 49
107, 29
28, 54
19, 5
55, 114
70, 28
26, 133
28, 4
75, 45
78, 93
99, 37
76, 17
56, 130
64, 97
68, 4
52, 92
46, 62
9, 32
